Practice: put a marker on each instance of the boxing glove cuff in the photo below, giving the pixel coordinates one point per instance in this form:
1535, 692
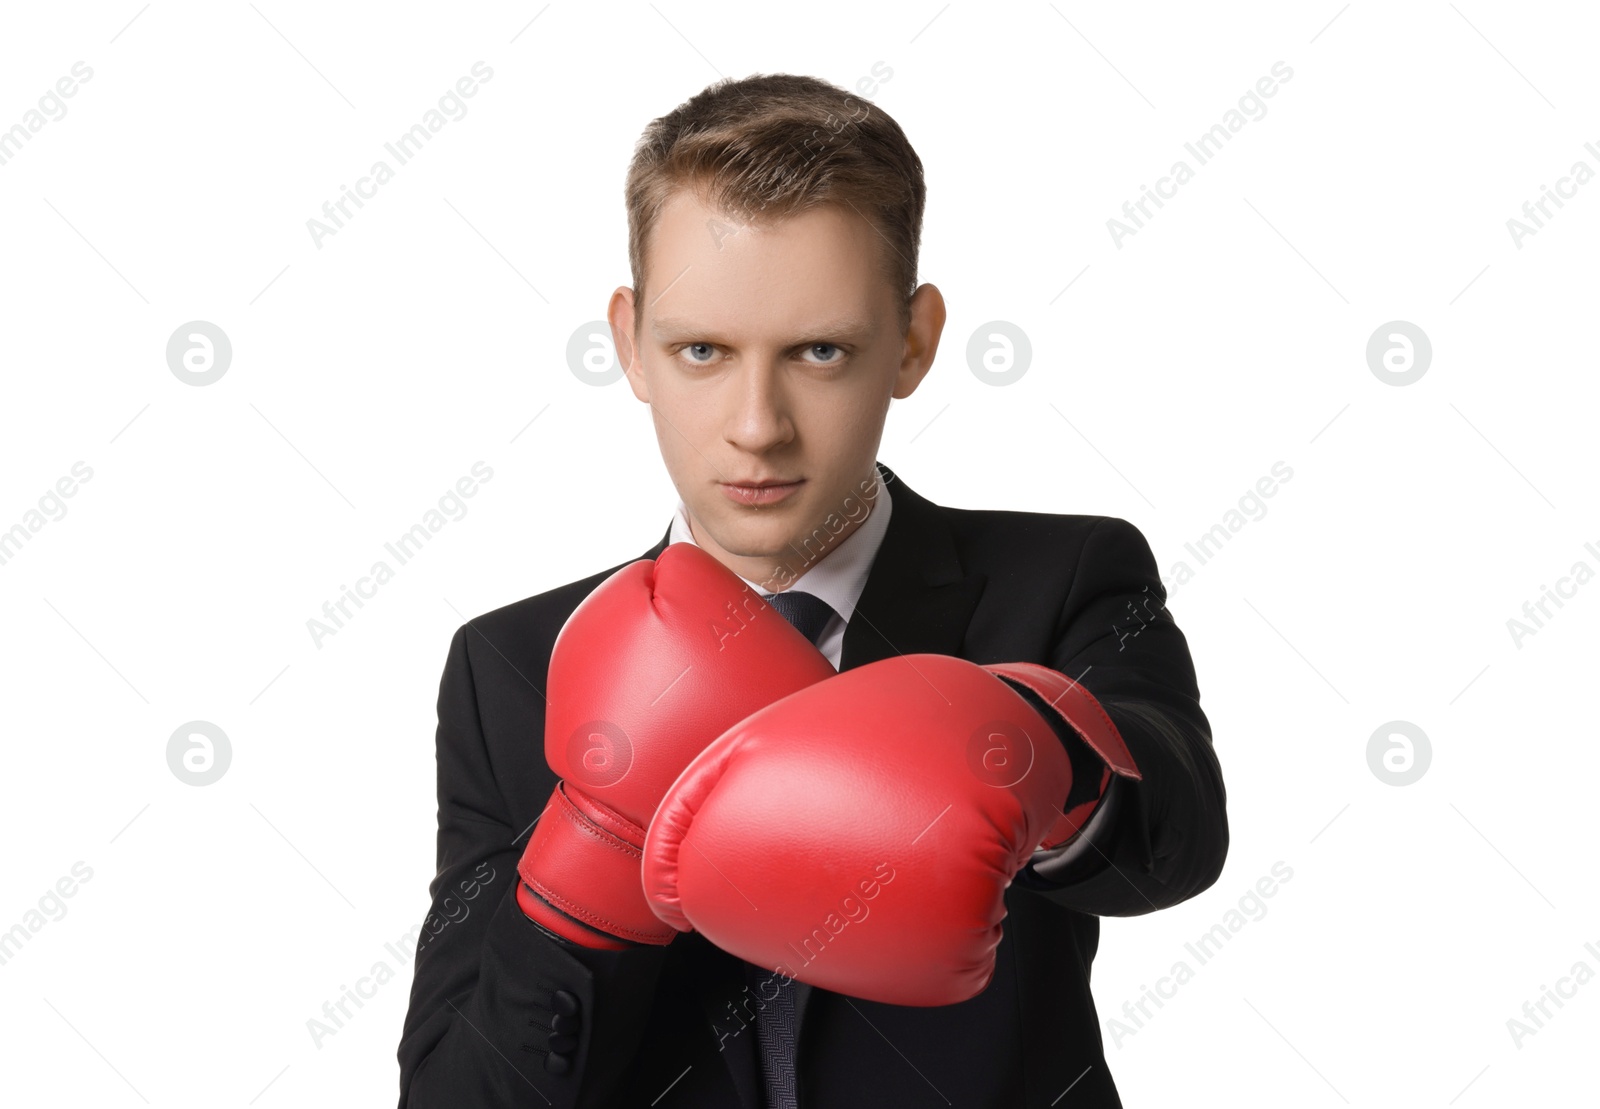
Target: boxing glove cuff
579, 846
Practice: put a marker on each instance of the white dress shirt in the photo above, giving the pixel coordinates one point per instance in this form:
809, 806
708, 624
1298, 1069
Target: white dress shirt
840, 572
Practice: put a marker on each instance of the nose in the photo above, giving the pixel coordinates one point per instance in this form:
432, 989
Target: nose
758, 418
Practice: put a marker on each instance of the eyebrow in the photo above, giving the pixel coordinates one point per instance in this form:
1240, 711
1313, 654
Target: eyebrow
664, 326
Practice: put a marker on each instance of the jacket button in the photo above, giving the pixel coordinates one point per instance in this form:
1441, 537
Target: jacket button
564, 1027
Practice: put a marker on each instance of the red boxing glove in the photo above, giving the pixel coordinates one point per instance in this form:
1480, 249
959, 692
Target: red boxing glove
660, 659
859, 835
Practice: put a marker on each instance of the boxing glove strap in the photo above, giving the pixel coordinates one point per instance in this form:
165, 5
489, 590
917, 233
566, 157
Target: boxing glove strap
584, 861
1078, 707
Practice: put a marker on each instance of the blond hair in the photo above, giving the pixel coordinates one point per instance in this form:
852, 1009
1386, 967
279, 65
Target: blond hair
769, 146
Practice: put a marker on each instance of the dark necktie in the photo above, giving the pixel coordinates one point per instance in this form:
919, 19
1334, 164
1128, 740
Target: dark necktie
776, 1024
807, 613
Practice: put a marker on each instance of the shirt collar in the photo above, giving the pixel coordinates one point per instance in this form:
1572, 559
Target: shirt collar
839, 573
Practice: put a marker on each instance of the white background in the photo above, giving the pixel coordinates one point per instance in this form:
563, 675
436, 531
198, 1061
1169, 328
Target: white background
372, 372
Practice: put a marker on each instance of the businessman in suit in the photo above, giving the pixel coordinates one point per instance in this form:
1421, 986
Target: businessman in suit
773, 318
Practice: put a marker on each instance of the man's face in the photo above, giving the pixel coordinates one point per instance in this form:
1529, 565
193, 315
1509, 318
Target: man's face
770, 354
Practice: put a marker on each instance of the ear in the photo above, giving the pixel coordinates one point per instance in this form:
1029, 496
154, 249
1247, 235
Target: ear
620, 313
922, 340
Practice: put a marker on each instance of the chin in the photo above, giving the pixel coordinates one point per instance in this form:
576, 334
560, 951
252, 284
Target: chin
751, 536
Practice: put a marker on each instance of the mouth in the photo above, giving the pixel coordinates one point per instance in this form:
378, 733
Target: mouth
764, 492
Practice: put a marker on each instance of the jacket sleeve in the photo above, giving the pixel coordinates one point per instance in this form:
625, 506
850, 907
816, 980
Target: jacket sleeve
484, 993
1167, 834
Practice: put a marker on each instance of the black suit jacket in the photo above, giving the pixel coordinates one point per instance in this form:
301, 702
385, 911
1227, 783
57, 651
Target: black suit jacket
671, 1026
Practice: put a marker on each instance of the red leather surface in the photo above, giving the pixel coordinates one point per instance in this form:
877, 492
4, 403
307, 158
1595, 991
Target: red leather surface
860, 833
653, 665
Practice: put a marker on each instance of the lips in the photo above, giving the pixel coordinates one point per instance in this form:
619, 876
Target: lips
761, 491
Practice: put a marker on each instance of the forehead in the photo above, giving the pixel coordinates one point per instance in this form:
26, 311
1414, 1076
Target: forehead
719, 270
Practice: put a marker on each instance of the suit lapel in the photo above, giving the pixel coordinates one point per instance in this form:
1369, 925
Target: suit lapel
916, 600
718, 979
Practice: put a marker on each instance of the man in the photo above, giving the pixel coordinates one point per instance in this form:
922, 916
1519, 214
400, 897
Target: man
773, 316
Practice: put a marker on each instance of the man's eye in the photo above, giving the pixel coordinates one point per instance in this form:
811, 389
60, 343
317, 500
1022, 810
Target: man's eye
819, 354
